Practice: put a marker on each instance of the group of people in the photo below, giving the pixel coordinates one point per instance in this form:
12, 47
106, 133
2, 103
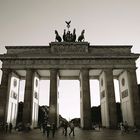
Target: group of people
7, 127
65, 126
124, 127
50, 128
47, 128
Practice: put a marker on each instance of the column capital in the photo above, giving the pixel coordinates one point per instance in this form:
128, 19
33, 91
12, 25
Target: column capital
53, 70
30, 69
82, 69
106, 70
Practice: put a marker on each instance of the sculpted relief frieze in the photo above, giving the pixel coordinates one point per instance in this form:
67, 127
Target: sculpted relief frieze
64, 62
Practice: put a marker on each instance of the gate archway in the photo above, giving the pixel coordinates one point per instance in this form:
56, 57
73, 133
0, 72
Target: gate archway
57, 61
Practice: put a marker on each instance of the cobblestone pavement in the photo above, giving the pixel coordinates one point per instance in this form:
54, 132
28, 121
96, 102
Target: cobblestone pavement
104, 134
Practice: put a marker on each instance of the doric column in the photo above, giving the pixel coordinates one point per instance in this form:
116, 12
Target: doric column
134, 97
28, 97
4, 93
108, 104
36, 83
53, 110
85, 100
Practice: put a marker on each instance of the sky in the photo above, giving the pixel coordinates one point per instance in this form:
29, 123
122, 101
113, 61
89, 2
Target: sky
69, 96
106, 22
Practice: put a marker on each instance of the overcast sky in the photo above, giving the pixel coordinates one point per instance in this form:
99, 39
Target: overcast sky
106, 22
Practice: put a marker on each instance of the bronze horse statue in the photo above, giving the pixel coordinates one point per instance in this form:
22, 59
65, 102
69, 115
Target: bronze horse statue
81, 37
74, 35
64, 35
57, 38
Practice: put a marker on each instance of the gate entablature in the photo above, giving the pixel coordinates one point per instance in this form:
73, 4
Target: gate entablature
70, 47
69, 54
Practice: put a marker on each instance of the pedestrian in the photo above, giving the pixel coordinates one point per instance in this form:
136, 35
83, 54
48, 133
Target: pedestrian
122, 128
6, 127
65, 128
40, 125
126, 128
71, 129
10, 127
28, 127
48, 127
135, 128
99, 125
44, 127
53, 129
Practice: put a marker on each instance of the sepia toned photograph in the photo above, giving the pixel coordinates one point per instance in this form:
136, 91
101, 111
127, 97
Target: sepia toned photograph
69, 69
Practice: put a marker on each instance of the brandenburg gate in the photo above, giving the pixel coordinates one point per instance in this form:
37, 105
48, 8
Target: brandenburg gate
70, 60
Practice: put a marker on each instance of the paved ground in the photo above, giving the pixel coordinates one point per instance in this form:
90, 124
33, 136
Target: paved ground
104, 134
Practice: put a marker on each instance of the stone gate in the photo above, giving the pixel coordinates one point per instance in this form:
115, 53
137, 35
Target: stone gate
70, 60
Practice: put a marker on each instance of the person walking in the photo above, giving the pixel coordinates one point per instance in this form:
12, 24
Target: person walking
6, 127
53, 129
10, 127
48, 127
126, 127
72, 129
65, 128
135, 128
44, 127
122, 128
